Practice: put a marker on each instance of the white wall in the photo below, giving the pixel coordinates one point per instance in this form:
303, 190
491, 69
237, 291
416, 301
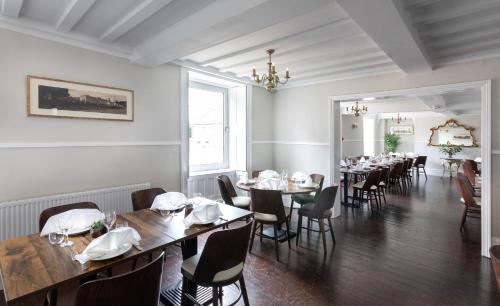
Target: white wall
262, 129
310, 103
28, 172
352, 138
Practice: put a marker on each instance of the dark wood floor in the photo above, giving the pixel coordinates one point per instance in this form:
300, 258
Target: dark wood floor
411, 253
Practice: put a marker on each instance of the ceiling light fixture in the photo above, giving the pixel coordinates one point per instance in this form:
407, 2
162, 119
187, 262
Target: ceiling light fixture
270, 80
398, 119
357, 110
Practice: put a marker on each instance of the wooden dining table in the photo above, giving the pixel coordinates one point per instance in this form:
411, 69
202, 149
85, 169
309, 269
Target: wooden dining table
31, 267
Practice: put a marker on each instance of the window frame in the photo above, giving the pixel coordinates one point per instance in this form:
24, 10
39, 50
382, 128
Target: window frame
225, 92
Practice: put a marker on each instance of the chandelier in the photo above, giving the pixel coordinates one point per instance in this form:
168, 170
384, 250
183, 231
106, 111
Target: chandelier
270, 80
357, 110
398, 119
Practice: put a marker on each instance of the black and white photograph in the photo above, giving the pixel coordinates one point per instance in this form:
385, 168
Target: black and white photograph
58, 98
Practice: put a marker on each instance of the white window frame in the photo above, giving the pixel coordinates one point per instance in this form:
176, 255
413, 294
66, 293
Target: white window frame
224, 91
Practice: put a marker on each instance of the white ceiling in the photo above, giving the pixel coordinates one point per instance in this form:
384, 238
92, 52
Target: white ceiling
317, 39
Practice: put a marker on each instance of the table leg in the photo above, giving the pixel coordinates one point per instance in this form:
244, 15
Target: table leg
346, 188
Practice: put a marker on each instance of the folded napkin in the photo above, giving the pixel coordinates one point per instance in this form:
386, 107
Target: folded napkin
109, 242
266, 174
300, 176
169, 201
80, 219
478, 159
342, 163
362, 160
207, 211
272, 184
359, 167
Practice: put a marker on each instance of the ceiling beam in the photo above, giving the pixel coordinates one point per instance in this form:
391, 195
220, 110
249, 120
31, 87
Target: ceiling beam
458, 9
137, 15
73, 13
388, 25
12, 8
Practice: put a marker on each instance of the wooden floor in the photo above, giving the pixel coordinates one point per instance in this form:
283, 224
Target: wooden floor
411, 253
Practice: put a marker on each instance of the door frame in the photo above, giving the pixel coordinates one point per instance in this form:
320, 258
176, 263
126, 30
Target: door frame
483, 85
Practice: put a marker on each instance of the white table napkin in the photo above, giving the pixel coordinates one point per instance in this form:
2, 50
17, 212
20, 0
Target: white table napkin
342, 163
81, 219
169, 201
299, 176
478, 159
108, 242
206, 211
266, 174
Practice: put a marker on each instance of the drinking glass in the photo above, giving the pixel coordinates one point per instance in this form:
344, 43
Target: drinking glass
197, 198
109, 219
56, 237
65, 225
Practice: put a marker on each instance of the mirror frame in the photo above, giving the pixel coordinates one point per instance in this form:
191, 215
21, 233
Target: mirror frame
453, 121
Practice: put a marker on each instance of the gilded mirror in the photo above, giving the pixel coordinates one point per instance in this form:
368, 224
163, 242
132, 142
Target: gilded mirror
452, 133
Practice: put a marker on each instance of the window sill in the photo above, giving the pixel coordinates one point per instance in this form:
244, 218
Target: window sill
210, 172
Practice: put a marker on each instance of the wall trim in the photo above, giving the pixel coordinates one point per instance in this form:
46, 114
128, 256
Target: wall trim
495, 152
302, 143
18, 145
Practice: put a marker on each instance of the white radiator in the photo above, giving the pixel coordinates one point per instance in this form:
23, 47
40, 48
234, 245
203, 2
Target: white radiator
20, 217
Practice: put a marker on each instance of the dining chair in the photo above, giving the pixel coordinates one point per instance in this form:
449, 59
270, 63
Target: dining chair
382, 184
408, 170
472, 204
395, 176
229, 195
268, 209
470, 170
140, 287
419, 164
320, 210
495, 263
52, 211
368, 187
220, 264
303, 199
143, 199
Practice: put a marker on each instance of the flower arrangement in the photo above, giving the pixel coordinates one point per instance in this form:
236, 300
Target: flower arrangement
450, 149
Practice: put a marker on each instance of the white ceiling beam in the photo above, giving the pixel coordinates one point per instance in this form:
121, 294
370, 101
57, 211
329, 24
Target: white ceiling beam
389, 26
73, 13
458, 9
461, 25
333, 72
12, 8
137, 15
434, 102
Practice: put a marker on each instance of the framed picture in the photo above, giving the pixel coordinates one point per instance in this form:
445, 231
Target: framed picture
401, 130
66, 99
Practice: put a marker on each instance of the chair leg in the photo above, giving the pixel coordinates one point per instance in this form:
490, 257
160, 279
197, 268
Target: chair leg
184, 298
254, 229
464, 217
299, 229
261, 232
383, 195
276, 246
425, 173
331, 230
288, 233
215, 296
244, 291
322, 230
308, 227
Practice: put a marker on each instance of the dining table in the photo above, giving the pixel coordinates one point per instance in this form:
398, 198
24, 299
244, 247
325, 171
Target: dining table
31, 267
291, 188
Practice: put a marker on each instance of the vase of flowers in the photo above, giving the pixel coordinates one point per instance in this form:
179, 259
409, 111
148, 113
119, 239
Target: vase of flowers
97, 229
450, 149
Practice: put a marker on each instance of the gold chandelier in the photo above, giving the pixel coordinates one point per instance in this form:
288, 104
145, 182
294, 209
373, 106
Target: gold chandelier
356, 110
398, 119
270, 80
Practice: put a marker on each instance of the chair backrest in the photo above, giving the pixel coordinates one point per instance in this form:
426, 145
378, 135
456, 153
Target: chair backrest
420, 160
470, 170
224, 250
268, 202
140, 287
52, 211
384, 172
143, 199
318, 179
325, 201
226, 189
255, 173
371, 180
466, 190
396, 170
410, 163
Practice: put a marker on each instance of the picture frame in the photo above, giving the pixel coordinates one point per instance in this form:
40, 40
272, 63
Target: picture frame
48, 97
401, 130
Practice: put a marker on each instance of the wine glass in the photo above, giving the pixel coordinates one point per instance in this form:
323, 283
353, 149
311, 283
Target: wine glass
56, 237
109, 219
65, 225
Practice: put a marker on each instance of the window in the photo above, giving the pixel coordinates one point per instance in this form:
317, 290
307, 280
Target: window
208, 127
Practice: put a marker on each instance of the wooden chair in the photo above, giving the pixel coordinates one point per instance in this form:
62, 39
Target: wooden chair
419, 164
395, 176
470, 170
268, 208
367, 187
137, 288
382, 184
495, 263
408, 170
143, 199
229, 195
319, 210
472, 204
303, 199
52, 211
220, 264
